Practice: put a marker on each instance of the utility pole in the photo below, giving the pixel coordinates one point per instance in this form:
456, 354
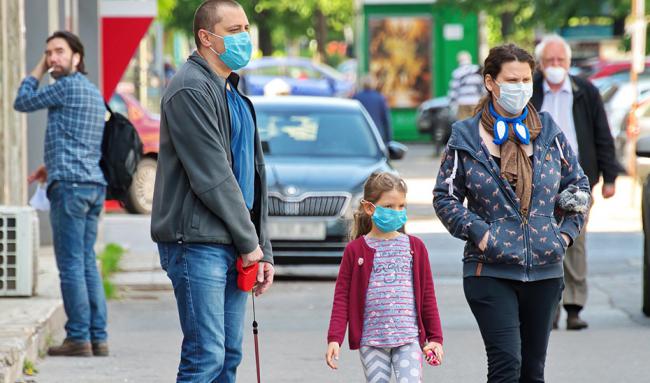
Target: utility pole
13, 134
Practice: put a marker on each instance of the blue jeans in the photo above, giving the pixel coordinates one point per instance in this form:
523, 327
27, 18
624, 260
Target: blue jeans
211, 309
74, 214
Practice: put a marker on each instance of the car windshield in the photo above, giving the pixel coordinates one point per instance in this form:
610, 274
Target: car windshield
316, 133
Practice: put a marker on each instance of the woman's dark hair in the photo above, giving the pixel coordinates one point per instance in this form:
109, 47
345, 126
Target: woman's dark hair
494, 62
376, 185
75, 45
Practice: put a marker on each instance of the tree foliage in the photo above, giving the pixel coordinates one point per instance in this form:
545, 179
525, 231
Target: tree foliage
515, 20
315, 19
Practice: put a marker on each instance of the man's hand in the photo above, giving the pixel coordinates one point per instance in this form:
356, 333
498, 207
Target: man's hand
39, 175
265, 274
609, 190
332, 355
250, 258
483, 244
40, 69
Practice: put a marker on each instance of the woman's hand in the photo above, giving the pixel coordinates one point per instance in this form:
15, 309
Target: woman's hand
567, 239
332, 355
483, 244
436, 348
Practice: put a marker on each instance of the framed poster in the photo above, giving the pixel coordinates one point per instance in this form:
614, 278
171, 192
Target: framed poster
400, 58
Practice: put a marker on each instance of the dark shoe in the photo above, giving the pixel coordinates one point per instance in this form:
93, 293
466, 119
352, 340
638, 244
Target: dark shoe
71, 348
574, 322
100, 348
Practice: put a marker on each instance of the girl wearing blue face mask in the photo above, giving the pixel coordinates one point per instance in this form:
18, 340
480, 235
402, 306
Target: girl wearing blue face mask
384, 292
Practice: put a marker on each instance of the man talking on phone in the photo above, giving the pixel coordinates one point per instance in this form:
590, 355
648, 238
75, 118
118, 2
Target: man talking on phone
75, 185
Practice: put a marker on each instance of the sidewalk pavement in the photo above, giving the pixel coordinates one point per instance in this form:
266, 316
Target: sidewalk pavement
27, 325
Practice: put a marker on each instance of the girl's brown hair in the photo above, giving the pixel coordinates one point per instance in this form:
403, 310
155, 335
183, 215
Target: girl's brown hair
496, 58
376, 185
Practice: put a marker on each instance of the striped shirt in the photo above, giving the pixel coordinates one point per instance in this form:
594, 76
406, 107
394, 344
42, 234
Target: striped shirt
390, 317
466, 86
75, 126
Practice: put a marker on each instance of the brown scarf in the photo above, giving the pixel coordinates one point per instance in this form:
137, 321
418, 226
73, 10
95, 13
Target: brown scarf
516, 167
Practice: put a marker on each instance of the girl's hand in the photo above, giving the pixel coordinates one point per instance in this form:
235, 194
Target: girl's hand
332, 355
436, 348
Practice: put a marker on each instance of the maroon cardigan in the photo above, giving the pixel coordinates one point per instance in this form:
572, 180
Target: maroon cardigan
352, 285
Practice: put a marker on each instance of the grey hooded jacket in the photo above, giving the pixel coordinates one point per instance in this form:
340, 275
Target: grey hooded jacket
519, 248
197, 198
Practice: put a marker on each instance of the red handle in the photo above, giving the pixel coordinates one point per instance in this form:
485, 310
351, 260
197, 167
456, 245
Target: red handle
246, 276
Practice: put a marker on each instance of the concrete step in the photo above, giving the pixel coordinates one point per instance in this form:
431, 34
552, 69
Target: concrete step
27, 324
155, 280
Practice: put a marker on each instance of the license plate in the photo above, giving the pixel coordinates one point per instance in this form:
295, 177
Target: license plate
315, 231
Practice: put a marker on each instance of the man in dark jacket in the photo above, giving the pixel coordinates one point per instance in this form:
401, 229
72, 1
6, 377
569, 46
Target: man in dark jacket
375, 104
210, 199
586, 128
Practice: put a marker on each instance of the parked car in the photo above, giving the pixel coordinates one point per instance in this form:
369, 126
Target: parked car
605, 68
147, 124
305, 77
434, 117
348, 69
618, 98
318, 153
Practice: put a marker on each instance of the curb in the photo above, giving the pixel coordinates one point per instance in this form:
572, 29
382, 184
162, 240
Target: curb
29, 341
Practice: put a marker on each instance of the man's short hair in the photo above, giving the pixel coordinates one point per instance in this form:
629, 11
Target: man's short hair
553, 38
207, 15
75, 45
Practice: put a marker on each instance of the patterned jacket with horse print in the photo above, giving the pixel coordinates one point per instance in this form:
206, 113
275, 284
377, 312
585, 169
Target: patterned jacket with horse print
522, 248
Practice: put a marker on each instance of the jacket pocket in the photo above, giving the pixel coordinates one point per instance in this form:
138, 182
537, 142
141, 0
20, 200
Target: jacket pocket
506, 242
546, 243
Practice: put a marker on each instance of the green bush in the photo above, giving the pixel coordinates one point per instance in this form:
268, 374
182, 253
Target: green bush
110, 263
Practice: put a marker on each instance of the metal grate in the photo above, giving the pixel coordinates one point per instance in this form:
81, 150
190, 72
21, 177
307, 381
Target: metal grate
309, 206
8, 252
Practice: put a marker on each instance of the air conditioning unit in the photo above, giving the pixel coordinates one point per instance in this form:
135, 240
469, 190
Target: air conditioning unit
18, 247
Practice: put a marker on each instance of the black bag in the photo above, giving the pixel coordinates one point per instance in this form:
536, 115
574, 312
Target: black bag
121, 153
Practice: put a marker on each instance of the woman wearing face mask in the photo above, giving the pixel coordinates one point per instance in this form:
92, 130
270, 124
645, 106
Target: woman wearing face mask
511, 163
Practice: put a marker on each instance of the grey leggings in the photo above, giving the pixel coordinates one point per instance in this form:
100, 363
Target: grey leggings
405, 360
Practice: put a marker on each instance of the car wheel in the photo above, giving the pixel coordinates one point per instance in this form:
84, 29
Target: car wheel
140, 198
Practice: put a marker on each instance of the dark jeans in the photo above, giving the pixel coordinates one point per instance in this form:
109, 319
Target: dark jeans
211, 309
515, 320
74, 214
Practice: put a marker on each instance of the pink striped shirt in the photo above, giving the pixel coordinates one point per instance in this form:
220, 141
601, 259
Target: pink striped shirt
390, 317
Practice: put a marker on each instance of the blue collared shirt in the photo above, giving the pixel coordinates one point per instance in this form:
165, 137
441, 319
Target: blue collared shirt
75, 126
560, 106
242, 135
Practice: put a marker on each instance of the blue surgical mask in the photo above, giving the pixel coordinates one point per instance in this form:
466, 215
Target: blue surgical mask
514, 97
388, 220
238, 49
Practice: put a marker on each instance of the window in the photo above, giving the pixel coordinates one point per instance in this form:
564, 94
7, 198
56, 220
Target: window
318, 133
299, 72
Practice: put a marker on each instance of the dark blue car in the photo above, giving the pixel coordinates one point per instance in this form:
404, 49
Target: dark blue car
305, 77
318, 152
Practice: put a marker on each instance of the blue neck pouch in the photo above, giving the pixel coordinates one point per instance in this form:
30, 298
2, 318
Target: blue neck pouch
502, 127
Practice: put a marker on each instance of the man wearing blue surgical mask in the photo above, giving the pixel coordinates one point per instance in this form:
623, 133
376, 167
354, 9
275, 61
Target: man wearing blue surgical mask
210, 198
577, 108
